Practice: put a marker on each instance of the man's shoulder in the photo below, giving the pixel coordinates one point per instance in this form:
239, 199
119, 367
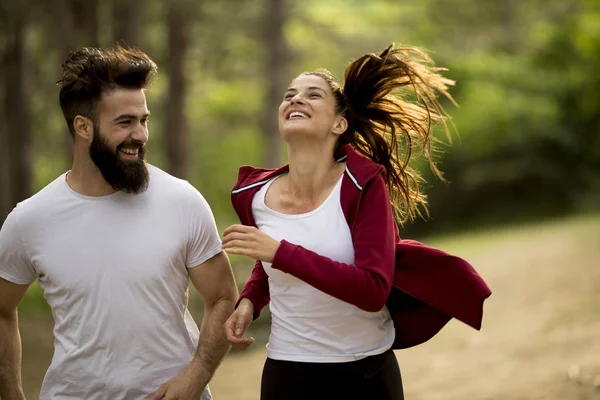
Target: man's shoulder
176, 195
34, 210
164, 180
40, 200
171, 186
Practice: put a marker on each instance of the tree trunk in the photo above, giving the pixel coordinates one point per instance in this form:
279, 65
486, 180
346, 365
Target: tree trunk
84, 16
5, 195
126, 16
276, 76
16, 115
76, 25
175, 128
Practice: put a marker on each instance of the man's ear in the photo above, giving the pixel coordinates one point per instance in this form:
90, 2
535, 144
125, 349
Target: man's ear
340, 125
84, 127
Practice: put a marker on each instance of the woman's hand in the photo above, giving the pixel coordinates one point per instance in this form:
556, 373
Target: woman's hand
237, 323
249, 241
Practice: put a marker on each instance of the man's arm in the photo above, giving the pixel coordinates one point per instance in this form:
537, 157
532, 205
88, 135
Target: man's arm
11, 295
215, 281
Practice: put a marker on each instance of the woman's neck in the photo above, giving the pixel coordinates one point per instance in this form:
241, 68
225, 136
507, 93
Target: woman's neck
312, 170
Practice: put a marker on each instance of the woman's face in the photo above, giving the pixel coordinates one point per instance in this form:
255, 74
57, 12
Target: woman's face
308, 110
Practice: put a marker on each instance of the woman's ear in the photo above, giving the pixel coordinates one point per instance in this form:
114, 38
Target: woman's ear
340, 125
84, 127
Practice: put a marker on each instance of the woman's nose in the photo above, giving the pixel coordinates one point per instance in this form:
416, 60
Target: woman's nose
297, 99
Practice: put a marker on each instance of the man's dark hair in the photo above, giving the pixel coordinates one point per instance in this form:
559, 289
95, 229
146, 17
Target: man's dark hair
89, 72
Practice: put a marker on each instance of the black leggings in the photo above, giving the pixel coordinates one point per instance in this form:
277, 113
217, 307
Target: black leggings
372, 378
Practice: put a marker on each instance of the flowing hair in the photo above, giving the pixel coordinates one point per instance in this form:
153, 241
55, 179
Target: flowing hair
390, 101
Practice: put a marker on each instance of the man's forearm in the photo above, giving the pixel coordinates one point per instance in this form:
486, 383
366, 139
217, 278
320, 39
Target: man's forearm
10, 358
213, 344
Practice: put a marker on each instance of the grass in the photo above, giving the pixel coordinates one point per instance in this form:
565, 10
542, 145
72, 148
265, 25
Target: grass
539, 338
33, 303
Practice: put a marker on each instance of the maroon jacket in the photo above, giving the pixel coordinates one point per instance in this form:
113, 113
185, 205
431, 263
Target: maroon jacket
423, 287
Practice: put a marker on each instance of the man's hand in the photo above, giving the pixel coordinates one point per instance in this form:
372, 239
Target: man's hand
249, 241
238, 322
185, 386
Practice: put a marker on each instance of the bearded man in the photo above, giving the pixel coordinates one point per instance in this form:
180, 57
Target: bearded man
113, 244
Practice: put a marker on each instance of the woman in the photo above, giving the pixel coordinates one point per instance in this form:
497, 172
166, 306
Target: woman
322, 228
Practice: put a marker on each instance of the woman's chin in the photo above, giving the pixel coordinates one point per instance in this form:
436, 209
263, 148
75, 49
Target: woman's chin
297, 132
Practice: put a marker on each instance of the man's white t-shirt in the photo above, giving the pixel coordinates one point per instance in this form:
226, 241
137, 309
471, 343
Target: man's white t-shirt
114, 271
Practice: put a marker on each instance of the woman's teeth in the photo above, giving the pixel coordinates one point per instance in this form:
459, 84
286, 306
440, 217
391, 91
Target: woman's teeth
298, 114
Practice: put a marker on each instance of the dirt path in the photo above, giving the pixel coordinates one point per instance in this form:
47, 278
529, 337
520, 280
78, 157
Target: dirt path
541, 323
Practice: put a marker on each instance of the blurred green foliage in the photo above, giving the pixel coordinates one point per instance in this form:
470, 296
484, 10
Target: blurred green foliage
527, 142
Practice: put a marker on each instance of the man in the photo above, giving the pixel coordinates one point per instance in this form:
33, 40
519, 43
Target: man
113, 243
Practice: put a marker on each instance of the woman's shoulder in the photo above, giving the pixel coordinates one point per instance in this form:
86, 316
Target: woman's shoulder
360, 168
249, 175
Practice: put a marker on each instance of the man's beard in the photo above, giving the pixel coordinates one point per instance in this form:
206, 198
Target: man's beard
125, 175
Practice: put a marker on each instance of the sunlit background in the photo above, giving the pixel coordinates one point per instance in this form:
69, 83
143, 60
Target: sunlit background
522, 201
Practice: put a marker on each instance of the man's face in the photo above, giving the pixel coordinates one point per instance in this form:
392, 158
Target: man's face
120, 134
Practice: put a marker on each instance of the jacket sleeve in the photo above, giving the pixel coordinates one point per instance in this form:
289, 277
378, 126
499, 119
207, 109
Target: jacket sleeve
367, 283
256, 289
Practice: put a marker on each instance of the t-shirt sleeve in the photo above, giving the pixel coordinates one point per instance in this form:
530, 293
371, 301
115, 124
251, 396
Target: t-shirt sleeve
15, 265
203, 238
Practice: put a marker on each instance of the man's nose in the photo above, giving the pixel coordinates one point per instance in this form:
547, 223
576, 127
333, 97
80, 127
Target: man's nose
140, 133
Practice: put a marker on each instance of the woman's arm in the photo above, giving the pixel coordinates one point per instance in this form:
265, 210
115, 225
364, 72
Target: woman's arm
367, 283
256, 289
